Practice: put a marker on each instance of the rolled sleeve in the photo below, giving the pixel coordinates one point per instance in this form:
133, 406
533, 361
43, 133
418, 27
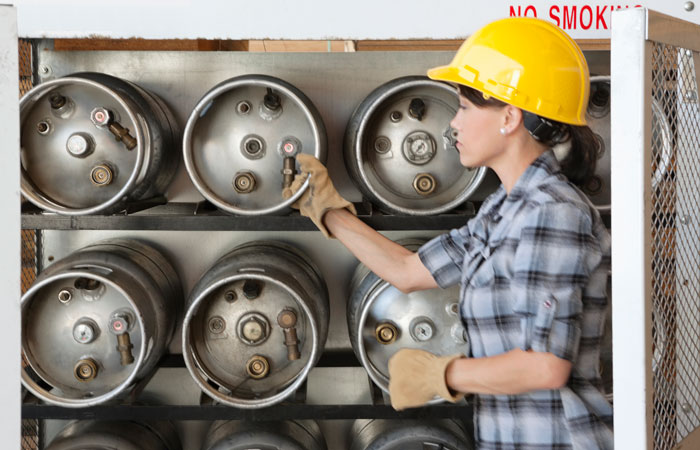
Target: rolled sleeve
556, 254
443, 256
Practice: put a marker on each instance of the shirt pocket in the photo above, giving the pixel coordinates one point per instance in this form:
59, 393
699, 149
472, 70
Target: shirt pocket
541, 326
536, 318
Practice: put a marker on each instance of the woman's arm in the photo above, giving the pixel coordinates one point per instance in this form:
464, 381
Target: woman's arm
393, 263
513, 372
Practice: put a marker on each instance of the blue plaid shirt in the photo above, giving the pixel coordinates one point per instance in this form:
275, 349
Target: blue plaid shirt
533, 268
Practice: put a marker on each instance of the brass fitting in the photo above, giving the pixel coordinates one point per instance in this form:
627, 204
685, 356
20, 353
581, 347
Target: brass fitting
288, 171
124, 346
119, 325
102, 117
287, 319
424, 183
386, 333
244, 182
122, 134
85, 370
101, 175
257, 367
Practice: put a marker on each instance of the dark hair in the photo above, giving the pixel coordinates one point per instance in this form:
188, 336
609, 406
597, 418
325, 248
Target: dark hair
580, 162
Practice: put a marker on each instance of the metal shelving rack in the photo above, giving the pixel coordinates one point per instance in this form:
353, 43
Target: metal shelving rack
204, 217
157, 215
182, 215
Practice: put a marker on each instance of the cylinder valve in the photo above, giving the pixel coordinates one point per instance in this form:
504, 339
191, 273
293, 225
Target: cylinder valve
258, 367
424, 184
244, 182
287, 319
386, 333
119, 326
86, 370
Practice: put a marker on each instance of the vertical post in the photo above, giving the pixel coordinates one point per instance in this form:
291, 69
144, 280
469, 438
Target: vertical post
631, 228
10, 239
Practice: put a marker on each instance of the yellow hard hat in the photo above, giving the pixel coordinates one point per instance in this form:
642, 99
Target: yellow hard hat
525, 62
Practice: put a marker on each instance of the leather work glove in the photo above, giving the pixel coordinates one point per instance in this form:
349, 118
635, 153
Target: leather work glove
320, 197
417, 376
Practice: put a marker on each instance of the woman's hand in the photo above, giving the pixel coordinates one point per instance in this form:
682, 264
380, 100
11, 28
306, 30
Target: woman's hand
335, 216
417, 376
321, 195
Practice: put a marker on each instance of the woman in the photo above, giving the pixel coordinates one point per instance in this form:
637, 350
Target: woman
532, 264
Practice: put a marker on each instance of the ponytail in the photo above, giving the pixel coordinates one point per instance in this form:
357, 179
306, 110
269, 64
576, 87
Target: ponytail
579, 164
581, 156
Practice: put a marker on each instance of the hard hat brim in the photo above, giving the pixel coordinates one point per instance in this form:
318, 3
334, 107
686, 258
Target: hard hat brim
446, 73
456, 75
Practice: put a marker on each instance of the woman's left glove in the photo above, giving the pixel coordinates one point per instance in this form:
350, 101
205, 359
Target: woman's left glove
417, 376
321, 195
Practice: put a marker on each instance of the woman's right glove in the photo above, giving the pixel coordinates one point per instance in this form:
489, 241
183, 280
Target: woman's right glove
320, 197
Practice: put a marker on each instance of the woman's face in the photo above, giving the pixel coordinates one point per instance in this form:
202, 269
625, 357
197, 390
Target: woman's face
479, 141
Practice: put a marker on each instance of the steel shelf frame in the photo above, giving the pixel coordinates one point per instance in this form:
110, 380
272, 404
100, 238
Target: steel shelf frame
285, 411
195, 217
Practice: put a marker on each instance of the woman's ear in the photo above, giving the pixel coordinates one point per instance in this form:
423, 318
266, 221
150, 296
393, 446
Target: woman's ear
512, 118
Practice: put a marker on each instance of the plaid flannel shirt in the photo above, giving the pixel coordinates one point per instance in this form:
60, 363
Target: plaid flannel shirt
533, 268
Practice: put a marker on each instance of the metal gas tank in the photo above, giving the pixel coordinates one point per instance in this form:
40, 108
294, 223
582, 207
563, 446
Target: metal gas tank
97, 321
241, 140
286, 435
121, 435
598, 118
382, 320
256, 324
92, 143
400, 149
377, 434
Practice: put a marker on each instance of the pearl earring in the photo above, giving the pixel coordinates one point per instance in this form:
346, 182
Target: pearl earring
503, 131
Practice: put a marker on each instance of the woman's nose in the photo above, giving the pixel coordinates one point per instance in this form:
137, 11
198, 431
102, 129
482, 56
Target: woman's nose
453, 122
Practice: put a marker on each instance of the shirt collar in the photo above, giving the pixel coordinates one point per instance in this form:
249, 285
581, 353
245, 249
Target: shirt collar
541, 168
502, 205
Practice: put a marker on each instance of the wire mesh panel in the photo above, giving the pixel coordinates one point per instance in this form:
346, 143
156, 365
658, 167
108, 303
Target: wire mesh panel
675, 202
29, 244
30, 427
25, 66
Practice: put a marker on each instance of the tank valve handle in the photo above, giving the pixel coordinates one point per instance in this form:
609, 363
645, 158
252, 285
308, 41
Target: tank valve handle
288, 171
119, 326
102, 117
61, 106
416, 109
272, 100
287, 319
